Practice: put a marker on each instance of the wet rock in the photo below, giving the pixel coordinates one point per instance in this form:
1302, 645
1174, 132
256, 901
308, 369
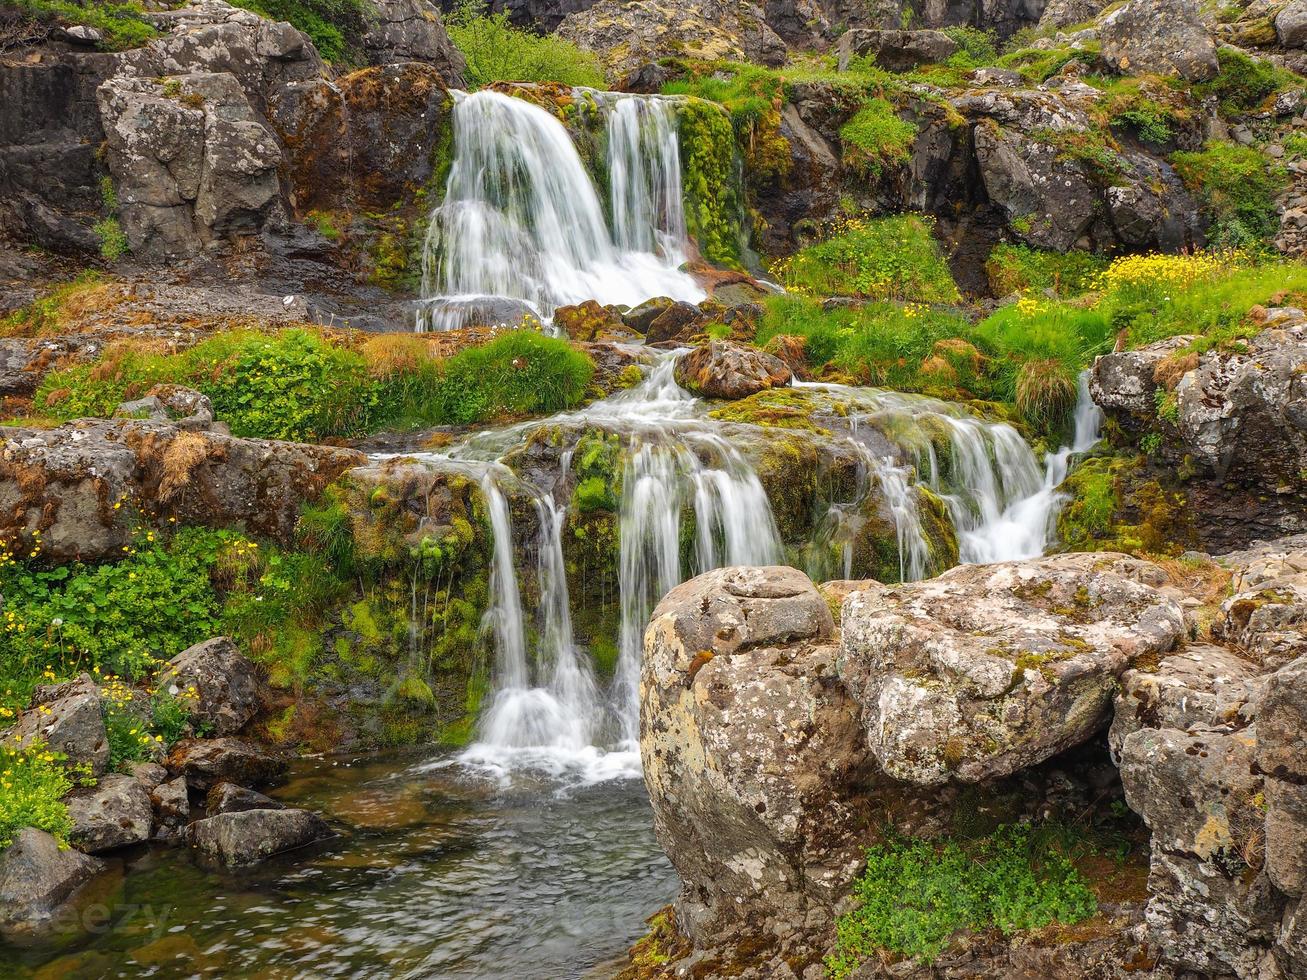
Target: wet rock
250, 836
1202, 685
183, 407
172, 809
36, 877
67, 479
677, 322
412, 30
230, 798
1160, 37
209, 761
639, 317
896, 50
750, 746
68, 718
589, 322
986, 670
720, 369
114, 813
218, 684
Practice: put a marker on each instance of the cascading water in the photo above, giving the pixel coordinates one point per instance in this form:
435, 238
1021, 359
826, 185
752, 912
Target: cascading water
522, 227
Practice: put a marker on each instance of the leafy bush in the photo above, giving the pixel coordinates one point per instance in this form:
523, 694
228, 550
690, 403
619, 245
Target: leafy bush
976, 48
33, 782
122, 24
915, 894
496, 51
1243, 83
113, 242
1237, 186
881, 258
1019, 268
336, 27
876, 138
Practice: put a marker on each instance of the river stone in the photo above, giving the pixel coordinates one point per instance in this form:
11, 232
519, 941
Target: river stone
68, 718
1201, 685
250, 836
639, 317
988, 669
1159, 37
172, 809
750, 746
230, 798
721, 369
114, 813
36, 876
217, 683
208, 761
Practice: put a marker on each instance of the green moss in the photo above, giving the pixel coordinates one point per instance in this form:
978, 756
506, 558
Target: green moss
876, 138
1244, 83
1020, 269
714, 207
1237, 186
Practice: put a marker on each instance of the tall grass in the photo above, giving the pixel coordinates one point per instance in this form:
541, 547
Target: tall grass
496, 51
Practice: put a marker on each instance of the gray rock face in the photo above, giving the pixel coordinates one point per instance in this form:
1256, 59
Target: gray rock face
750, 746
68, 718
172, 809
986, 670
412, 30
1162, 37
721, 369
199, 477
1291, 24
1281, 722
1068, 13
219, 683
114, 813
36, 876
896, 50
230, 798
248, 837
1124, 382
183, 407
209, 761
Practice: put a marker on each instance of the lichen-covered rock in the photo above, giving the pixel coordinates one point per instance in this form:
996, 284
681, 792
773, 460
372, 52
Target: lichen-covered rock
250, 836
182, 407
721, 369
66, 481
1281, 722
205, 762
404, 31
589, 322
1160, 37
1201, 685
1291, 24
1125, 381
677, 322
986, 670
113, 813
750, 746
218, 685
68, 718
896, 50
36, 877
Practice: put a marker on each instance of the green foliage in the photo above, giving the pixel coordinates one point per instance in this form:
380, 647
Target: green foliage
915, 894
1038, 64
122, 24
113, 242
876, 138
336, 27
1237, 186
33, 782
1020, 269
496, 51
1243, 82
1150, 120
881, 258
977, 48
714, 208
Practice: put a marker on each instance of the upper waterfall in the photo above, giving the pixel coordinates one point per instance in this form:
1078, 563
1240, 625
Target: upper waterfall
522, 219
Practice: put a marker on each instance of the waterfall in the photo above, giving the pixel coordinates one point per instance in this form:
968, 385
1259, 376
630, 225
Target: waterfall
522, 222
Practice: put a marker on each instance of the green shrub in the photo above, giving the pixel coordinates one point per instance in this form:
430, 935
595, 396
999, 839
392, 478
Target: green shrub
113, 242
336, 27
876, 138
1237, 186
520, 372
33, 782
915, 894
976, 48
1243, 83
122, 24
1150, 120
1020, 268
880, 258
496, 51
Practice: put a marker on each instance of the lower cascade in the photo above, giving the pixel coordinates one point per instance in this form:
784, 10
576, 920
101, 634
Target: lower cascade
692, 500
522, 228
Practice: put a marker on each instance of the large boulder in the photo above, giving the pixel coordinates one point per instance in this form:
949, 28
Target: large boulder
68, 718
1291, 24
230, 798
205, 762
66, 481
114, 813
1125, 382
721, 369
1159, 37
250, 836
172, 808
752, 755
36, 877
404, 31
896, 50
217, 683
987, 670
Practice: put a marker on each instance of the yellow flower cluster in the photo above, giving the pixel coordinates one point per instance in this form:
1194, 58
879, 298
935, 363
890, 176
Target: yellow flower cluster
1029, 305
1167, 271
13, 624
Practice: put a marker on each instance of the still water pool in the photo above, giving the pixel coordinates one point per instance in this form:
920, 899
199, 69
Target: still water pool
437, 874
